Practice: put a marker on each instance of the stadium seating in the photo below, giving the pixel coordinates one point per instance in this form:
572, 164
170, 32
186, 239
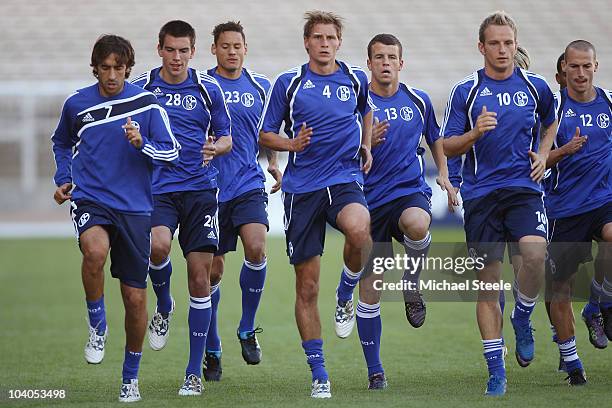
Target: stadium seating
51, 42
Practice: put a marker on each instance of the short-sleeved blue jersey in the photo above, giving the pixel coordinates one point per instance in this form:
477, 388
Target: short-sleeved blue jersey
334, 106
500, 157
239, 170
196, 109
92, 151
582, 181
398, 167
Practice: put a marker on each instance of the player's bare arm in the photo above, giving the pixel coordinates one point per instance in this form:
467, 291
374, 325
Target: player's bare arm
437, 151
458, 145
62, 193
218, 147
273, 169
379, 131
278, 143
132, 133
571, 147
538, 160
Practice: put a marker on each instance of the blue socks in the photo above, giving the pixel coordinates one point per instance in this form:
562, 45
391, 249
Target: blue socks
502, 301
314, 358
160, 278
97, 315
131, 363
523, 307
606, 294
494, 356
369, 326
348, 281
569, 354
594, 296
417, 250
252, 278
213, 341
199, 320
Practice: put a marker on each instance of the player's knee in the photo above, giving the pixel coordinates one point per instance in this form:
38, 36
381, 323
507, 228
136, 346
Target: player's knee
94, 257
199, 285
606, 234
534, 260
160, 249
216, 272
358, 235
255, 252
307, 290
415, 225
134, 300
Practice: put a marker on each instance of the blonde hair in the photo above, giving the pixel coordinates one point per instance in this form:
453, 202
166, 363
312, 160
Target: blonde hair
322, 17
497, 18
521, 58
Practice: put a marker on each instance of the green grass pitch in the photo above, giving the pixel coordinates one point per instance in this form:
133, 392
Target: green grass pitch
43, 331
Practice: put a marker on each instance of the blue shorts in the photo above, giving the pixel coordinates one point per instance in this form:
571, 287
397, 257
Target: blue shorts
197, 214
306, 214
507, 214
248, 208
571, 240
384, 222
130, 239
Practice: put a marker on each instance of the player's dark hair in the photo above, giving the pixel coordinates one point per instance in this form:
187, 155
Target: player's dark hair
108, 44
385, 39
497, 18
177, 28
559, 61
580, 45
229, 26
314, 17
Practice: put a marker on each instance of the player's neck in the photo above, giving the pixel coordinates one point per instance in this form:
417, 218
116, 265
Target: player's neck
234, 74
105, 94
583, 97
499, 75
323, 69
173, 79
384, 90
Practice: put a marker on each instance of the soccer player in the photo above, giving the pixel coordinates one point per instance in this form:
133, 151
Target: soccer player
108, 137
186, 195
591, 313
324, 104
490, 117
579, 200
398, 197
242, 199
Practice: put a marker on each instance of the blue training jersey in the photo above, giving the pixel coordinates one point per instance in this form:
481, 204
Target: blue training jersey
239, 170
334, 106
582, 182
196, 109
92, 151
398, 166
499, 159
455, 164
